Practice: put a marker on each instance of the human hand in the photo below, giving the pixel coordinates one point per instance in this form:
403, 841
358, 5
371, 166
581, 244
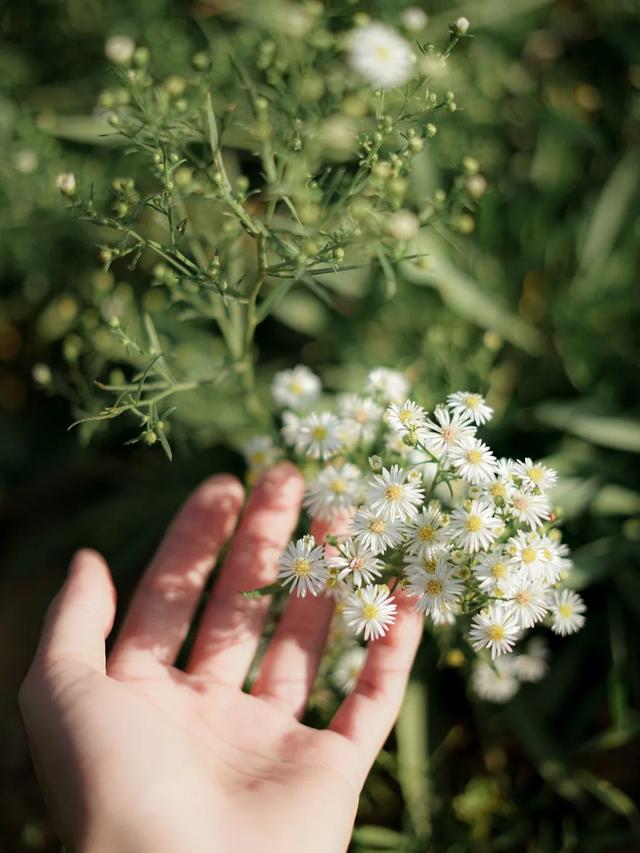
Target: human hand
134, 754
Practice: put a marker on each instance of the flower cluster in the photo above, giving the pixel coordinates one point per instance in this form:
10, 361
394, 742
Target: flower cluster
430, 510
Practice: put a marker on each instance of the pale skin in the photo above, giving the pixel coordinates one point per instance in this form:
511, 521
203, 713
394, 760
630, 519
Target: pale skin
135, 755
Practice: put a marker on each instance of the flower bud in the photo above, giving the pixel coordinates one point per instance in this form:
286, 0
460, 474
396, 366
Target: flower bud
430, 130
119, 49
375, 463
66, 183
461, 26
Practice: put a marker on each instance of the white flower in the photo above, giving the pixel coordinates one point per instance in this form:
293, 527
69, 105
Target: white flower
495, 682
461, 26
387, 385
370, 610
319, 435
555, 559
356, 563
360, 415
447, 431
414, 19
261, 453
66, 183
375, 532
507, 470
470, 405
474, 461
526, 552
303, 566
494, 628
296, 388
528, 508
119, 49
567, 609
290, 429
403, 225
528, 598
475, 528
493, 571
380, 55
334, 489
405, 417
349, 667
532, 665
425, 533
438, 591
392, 496
536, 476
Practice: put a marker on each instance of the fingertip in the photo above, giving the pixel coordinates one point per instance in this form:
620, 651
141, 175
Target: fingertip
284, 477
223, 490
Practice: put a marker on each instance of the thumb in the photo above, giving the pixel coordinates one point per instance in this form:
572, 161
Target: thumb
81, 615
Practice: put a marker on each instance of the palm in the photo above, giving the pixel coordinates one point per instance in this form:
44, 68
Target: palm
198, 757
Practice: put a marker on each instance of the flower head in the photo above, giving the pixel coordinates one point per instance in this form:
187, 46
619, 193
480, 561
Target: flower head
370, 611
567, 611
494, 628
472, 406
296, 388
319, 435
355, 562
335, 488
380, 55
474, 527
387, 385
392, 495
473, 461
446, 432
303, 567
374, 531
349, 667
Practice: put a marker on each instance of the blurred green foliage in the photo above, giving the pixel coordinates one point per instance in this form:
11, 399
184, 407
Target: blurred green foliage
538, 307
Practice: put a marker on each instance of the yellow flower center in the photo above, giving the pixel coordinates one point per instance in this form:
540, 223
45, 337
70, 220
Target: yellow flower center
426, 533
430, 565
473, 401
498, 571
498, 490
393, 493
296, 387
338, 486
535, 473
433, 586
258, 458
370, 611
566, 611
496, 632
474, 523
377, 525
319, 433
528, 555
301, 567
405, 415
382, 52
474, 456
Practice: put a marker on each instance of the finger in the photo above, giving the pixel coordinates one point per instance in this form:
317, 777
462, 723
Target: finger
367, 715
231, 625
80, 617
168, 594
292, 659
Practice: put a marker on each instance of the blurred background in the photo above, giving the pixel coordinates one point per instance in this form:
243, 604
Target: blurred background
534, 300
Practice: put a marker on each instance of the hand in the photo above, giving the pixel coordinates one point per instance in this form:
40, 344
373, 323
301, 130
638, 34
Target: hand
134, 754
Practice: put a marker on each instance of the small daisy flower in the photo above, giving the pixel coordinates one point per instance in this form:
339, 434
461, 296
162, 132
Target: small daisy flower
375, 532
370, 611
318, 435
356, 563
447, 431
567, 609
406, 417
497, 489
526, 553
532, 665
474, 528
261, 453
303, 567
425, 533
494, 628
556, 562
387, 385
472, 406
414, 19
296, 388
536, 476
497, 682
335, 488
506, 470
493, 570
380, 55
528, 598
392, 496
528, 508
360, 415
438, 591
474, 461
349, 667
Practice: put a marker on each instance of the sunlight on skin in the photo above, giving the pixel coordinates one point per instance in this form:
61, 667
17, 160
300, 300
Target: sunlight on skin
134, 754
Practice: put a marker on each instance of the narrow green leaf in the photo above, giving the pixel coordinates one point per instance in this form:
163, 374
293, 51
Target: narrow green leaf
605, 430
413, 757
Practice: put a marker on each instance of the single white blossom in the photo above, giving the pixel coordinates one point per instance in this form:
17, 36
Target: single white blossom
387, 385
445, 433
375, 532
303, 567
296, 388
496, 682
356, 563
567, 609
380, 55
370, 611
536, 476
473, 461
391, 495
494, 628
425, 533
472, 406
474, 528
261, 453
406, 417
335, 488
319, 435
348, 669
